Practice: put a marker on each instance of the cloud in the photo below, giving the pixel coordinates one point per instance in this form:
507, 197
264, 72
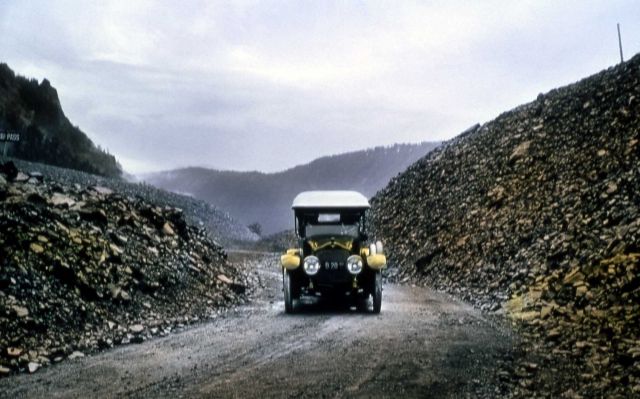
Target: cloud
270, 84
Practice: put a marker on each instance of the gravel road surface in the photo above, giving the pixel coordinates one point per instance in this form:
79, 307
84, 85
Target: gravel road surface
422, 344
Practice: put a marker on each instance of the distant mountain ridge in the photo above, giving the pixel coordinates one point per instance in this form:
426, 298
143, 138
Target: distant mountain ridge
266, 198
46, 135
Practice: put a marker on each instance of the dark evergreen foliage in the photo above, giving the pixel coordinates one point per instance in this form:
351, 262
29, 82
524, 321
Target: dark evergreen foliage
46, 135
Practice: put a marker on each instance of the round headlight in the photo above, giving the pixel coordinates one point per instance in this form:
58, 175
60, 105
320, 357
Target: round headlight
354, 264
311, 265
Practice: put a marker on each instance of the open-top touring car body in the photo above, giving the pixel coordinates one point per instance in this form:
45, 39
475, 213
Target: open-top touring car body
332, 257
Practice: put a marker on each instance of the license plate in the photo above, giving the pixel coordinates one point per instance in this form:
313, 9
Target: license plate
332, 265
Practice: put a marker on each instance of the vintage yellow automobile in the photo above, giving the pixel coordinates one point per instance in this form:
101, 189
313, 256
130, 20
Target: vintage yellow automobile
333, 257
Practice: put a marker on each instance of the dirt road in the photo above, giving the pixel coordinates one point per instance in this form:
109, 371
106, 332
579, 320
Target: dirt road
422, 344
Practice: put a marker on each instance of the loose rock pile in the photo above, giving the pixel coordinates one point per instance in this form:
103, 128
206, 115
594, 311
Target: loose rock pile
84, 268
222, 227
537, 213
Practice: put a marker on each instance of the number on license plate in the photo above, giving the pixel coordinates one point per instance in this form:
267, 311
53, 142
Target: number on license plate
332, 265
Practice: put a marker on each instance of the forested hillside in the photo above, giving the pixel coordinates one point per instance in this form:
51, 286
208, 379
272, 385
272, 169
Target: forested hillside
33, 110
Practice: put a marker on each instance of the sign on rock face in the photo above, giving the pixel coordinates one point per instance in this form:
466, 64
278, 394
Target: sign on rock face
8, 136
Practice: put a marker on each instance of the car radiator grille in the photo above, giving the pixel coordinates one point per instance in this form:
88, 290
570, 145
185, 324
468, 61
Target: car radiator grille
333, 266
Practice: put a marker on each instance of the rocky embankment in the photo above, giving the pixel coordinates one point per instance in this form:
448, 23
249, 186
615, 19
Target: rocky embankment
222, 227
537, 214
84, 268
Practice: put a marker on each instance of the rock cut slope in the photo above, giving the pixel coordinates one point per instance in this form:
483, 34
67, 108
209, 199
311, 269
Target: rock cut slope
223, 228
85, 268
538, 212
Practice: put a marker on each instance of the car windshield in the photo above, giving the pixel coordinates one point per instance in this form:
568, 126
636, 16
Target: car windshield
350, 230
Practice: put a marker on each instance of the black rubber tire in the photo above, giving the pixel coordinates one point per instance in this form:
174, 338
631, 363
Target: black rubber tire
288, 292
377, 292
362, 304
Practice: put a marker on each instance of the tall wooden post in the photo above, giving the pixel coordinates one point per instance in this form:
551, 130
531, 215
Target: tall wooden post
620, 44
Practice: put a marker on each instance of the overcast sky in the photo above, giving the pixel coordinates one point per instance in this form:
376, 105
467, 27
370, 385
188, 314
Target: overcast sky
266, 85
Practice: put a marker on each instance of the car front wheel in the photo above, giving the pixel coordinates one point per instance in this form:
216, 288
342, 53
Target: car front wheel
288, 292
377, 292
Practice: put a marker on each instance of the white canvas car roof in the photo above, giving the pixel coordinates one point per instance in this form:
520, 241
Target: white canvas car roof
330, 199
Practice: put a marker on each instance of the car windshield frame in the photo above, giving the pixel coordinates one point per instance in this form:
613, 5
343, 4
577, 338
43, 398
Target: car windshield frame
351, 223
332, 230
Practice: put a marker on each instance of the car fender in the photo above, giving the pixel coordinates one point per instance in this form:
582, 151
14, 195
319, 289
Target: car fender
290, 260
377, 261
